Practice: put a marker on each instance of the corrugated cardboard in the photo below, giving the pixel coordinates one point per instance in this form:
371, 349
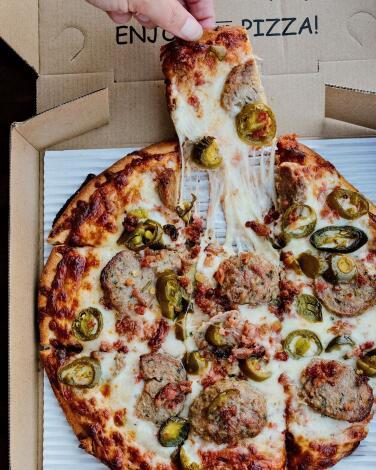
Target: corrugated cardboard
76, 49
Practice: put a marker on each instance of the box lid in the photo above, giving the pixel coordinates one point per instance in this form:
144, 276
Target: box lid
19, 28
306, 45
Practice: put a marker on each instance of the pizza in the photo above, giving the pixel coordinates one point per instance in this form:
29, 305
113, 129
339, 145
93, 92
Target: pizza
170, 344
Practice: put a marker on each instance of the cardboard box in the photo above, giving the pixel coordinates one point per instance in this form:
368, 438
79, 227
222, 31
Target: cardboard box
319, 72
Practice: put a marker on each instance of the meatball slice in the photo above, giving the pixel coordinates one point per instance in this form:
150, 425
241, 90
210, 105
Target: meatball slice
348, 299
124, 282
228, 411
248, 279
168, 186
165, 387
242, 86
291, 184
334, 389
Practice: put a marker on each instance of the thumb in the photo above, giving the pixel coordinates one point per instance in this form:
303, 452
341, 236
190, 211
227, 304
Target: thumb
172, 16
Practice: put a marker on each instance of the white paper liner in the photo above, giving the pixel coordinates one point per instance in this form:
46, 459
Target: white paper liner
64, 171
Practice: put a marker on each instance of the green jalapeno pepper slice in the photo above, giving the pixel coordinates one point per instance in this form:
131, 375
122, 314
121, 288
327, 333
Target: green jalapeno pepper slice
214, 336
342, 268
146, 234
367, 363
169, 294
350, 205
185, 462
173, 432
299, 342
309, 308
84, 372
309, 264
256, 124
88, 324
298, 221
338, 341
206, 154
194, 363
185, 210
180, 327
221, 400
219, 51
338, 239
253, 369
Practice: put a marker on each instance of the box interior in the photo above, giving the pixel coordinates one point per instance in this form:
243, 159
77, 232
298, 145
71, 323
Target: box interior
319, 71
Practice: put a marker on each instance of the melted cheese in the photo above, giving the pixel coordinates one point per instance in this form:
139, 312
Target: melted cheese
245, 190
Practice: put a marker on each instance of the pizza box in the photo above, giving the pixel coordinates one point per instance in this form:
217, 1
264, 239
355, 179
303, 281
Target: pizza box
319, 72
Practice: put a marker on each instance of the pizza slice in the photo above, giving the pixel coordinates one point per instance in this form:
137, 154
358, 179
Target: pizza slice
327, 234
218, 106
328, 412
236, 408
123, 406
112, 350
138, 194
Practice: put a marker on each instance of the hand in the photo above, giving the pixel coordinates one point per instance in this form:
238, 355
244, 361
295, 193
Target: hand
185, 19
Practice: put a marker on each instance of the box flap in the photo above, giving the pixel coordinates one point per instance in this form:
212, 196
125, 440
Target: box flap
19, 28
25, 255
349, 105
57, 124
24, 259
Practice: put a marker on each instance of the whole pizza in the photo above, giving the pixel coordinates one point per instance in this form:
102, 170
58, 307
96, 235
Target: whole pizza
171, 343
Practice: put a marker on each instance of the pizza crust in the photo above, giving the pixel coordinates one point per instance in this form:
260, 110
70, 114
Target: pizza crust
305, 453
93, 216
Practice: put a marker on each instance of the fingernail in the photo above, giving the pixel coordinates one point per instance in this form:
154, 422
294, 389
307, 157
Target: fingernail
191, 30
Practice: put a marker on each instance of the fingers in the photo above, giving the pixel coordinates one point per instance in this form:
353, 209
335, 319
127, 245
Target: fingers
145, 21
169, 15
119, 17
203, 11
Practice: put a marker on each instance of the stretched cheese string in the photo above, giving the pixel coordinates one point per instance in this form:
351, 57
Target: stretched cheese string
244, 186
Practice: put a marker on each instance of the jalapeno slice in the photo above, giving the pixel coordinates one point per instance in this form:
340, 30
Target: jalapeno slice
338, 239
180, 327
214, 336
309, 308
300, 342
169, 294
342, 268
185, 462
367, 363
88, 324
256, 124
309, 264
194, 363
84, 372
173, 432
146, 234
349, 204
254, 370
185, 210
219, 51
139, 213
206, 154
221, 400
339, 341
298, 221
